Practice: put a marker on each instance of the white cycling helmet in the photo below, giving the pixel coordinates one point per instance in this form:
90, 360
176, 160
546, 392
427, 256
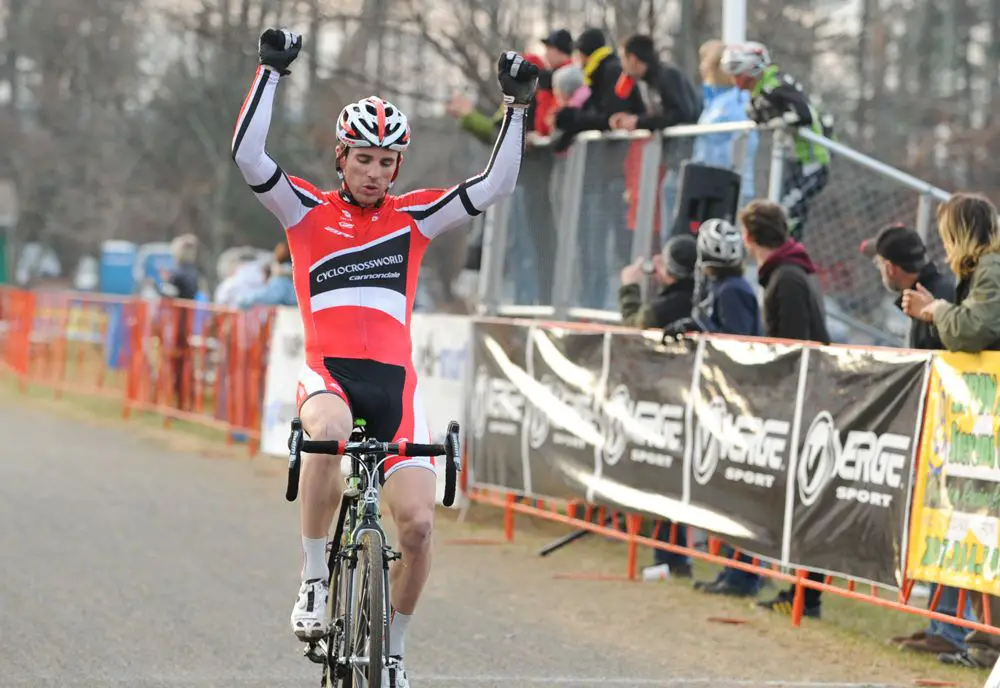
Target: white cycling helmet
373, 123
745, 59
720, 244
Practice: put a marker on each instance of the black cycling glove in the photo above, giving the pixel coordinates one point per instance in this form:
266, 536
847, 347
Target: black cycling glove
278, 48
517, 78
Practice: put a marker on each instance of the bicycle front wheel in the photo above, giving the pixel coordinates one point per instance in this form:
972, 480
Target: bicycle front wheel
371, 630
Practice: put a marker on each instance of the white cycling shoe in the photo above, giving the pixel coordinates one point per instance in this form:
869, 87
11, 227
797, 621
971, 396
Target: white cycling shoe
309, 613
394, 675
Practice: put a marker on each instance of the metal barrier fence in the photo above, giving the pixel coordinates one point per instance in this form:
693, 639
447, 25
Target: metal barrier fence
556, 247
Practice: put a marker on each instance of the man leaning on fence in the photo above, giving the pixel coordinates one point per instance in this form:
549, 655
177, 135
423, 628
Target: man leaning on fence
793, 309
901, 258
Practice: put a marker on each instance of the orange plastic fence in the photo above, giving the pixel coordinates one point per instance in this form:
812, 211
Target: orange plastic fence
181, 360
568, 514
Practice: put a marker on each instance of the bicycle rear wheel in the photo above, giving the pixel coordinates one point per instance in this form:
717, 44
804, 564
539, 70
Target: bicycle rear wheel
371, 623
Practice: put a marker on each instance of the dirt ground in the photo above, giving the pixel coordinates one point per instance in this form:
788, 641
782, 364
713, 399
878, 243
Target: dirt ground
496, 613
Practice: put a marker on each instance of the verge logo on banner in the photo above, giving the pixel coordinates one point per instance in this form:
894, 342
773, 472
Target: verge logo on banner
748, 444
497, 405
865, 461
655, 430
540, 429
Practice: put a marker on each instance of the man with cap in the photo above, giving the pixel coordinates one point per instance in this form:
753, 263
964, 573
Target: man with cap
558, 49
674, 269
901, 258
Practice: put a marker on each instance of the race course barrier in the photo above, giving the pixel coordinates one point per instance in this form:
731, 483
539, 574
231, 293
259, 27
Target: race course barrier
819, 462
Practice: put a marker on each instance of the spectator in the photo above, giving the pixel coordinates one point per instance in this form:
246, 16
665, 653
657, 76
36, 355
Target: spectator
247, 275
278, 290
603, 210
558, 53
793, 309
724, 102
967, 224
601, 70
777, 97
569, 91
668, 95
669, 98
558, 49
729, 307
674, 269
184, 279
901, 258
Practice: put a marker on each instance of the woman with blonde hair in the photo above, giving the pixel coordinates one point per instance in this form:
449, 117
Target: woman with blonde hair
968, 227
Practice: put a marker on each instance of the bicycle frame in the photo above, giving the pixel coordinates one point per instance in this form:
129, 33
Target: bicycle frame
360, 510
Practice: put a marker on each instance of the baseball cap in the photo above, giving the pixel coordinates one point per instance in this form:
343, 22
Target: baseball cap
561, 40
899, 245
680, 254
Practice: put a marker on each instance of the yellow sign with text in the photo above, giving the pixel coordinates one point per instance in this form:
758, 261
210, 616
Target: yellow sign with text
954, 534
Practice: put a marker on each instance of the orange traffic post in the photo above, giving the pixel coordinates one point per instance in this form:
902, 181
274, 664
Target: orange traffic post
799, 600
508, 518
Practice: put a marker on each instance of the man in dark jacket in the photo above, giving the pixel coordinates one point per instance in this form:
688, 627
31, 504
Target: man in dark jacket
793, 304
669, 96
601, 69
793, 309
674, 268
901, 257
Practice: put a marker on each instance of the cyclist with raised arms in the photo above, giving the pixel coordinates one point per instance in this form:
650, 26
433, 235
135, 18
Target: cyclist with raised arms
356, 255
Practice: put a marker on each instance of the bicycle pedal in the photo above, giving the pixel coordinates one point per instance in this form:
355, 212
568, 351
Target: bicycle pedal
316, 652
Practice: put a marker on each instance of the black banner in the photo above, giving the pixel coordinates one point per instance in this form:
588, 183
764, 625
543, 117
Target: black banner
704, 433
497, 406
743, 415
562, 427
854, 464
640, 463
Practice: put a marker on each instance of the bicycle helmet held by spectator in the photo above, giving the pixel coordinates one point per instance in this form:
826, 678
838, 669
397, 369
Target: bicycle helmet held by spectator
745, 59
373, 123
720, 244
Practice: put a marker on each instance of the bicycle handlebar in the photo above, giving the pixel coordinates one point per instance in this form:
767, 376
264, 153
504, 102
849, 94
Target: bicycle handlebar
404, 448
298, 444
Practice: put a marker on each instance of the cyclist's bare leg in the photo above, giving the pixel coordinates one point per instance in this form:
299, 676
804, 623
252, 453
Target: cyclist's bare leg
410, 494
324, 417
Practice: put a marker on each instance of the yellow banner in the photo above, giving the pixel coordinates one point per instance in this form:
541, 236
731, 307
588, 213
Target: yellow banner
954, 529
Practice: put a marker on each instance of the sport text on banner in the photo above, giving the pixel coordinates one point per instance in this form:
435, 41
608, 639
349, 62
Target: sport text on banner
954, 528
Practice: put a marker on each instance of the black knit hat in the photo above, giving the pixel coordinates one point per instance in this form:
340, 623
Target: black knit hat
561, 40
590, 40
680, 255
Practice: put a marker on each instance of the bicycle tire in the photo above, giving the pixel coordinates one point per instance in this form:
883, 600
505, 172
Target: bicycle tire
336, 612
372, 558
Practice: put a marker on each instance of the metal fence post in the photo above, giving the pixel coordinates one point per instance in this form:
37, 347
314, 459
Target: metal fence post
775, 184
569, 225
924, 209
494, 253
649, 190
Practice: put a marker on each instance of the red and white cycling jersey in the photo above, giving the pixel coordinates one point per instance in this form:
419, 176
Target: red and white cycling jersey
355, 269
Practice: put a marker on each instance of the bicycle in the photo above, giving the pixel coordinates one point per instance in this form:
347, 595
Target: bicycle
356, 647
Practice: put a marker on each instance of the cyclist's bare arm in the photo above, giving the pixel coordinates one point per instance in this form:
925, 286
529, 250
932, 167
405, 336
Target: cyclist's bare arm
288, 201
436, 213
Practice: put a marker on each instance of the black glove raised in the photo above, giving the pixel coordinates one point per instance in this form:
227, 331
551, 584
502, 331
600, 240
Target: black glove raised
278, 48
517, 78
